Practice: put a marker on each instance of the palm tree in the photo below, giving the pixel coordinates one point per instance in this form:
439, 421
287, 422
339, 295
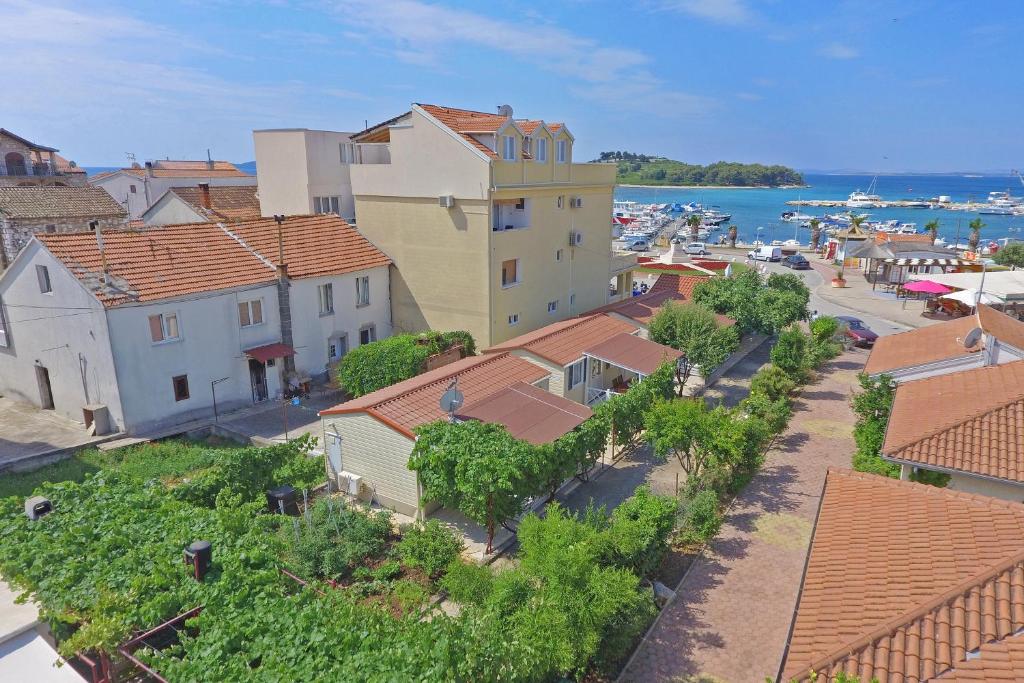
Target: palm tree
972, 242
694, 222
855, 222
732, 236
815, 234
932, 228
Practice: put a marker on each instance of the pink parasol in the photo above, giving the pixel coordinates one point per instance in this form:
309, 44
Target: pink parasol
926, 287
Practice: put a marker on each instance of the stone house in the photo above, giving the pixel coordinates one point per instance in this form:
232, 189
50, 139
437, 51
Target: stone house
25, 211
24, 163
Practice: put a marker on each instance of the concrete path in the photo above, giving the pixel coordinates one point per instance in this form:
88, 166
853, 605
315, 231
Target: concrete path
28, 435
731, 615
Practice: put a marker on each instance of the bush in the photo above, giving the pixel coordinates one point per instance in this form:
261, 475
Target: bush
637, 536
701, 519
468, 583
380, 364
336, 539
439, 342
872, 406
430, 547
774, 413
790, 352
409, 595
389, 571
773, 382
824, 328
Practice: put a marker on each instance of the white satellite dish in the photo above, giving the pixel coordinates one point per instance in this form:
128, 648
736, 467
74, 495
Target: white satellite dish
972, 338
451, 399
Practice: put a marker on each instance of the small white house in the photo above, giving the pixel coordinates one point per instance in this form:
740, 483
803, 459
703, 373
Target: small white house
146, 325
204, 203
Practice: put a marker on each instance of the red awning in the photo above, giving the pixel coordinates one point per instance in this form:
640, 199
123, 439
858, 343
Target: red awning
265, 353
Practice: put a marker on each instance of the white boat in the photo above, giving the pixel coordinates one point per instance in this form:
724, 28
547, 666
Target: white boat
795, 217
864, 200
1003, 200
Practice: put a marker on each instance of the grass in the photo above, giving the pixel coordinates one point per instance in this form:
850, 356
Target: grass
166, 460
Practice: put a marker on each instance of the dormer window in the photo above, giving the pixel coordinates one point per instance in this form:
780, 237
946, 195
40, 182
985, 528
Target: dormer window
561, 151
542, 150
526, 146
508, 148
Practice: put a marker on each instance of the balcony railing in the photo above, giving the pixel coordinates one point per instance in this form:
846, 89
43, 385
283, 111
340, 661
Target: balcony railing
371, 153
29, 169
622, 261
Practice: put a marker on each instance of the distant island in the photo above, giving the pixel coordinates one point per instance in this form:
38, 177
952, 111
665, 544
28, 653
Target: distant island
643, 169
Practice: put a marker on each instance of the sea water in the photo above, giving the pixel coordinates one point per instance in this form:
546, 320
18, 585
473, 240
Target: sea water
754, 208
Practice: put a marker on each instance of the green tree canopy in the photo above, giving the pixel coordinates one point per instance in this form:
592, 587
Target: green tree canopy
698, 437
380, 364
1011, 255
756, 304
695, 331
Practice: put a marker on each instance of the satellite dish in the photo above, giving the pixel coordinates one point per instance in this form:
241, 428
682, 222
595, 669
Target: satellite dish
972, 338
452, 398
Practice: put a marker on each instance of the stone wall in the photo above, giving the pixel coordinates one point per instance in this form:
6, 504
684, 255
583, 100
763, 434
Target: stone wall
15, 234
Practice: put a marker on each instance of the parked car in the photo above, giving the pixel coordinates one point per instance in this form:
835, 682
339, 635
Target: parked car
766, 253
857, 331
638, 245
697, 249
796, 262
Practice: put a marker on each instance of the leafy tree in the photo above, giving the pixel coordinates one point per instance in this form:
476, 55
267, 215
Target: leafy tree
430, 546
636, 536
790, 351
972, 242
1011, 255
477, 468
755, 304
626, 411
872, 406
694, 221
694, 331
932, 228
773, 382
815, 234
695, 435
701, 518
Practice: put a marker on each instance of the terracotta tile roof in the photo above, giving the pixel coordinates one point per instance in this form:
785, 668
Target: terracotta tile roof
158, 263
633, 353
563, 342
227, 202
971, 421
942, 341
529, 412
668, 287
528, 126
176, 260
313, 245
58, 202
182, 169
414, 402
883, 237
64, 166
464, 121
904, 579
1002, 660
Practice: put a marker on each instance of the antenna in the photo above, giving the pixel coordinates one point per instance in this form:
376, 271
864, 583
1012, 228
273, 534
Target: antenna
451, 399
972, 338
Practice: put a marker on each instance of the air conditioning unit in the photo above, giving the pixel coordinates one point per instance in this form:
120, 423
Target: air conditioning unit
349, 483
575, 238
446, 201
576, 203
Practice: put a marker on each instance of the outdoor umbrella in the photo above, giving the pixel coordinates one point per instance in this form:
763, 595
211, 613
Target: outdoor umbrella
926, 287
870, 250
969, 296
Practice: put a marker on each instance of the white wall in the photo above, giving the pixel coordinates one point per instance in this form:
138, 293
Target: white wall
328, 177
171, 209
380, 455
987, 487
296, 165
311, 331
211, 347
65, 331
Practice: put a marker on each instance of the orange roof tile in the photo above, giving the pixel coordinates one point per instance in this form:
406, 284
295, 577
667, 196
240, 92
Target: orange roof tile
313, 245
227, 202
176, 260
971, 421
883, 237
904, 579
465, 121
634, 353
942, 341
668, 287
1002, 660
415, 401
529, 412
563, 342
182, 169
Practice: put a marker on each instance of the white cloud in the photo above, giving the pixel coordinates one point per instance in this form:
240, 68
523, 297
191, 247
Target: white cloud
719, 11
424, 33
749, 96
839, 51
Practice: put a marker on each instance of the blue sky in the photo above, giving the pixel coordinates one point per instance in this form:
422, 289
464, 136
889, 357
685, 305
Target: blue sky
821, 85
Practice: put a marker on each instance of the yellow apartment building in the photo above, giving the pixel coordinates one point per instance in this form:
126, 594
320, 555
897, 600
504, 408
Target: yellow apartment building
490, 225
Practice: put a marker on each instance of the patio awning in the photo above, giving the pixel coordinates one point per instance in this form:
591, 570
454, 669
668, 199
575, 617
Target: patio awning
927, 262
970, 297
268, 351
926, 287
871, 250
633, 353
529, 413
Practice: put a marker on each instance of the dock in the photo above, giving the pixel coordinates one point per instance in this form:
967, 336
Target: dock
892, 204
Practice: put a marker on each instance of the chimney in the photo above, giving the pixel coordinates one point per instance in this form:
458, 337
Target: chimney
284, 301
209, 160
149, 168
204, 195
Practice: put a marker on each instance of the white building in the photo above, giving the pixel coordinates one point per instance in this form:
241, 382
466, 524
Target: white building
306, 171
145, 326
138, 188
204, 203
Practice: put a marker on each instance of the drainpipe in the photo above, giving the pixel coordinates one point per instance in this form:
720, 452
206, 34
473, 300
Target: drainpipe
284, 304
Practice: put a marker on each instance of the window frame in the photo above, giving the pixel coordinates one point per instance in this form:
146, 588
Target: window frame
579, 367
325, 303
561, 151
508, 147
43, 279
5, 332
362, 291
347, 153
505, 284
553, 307
513, 319
165, 336
339, 340
371, 337
249, 308
178, 398
558, 255
541, 157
